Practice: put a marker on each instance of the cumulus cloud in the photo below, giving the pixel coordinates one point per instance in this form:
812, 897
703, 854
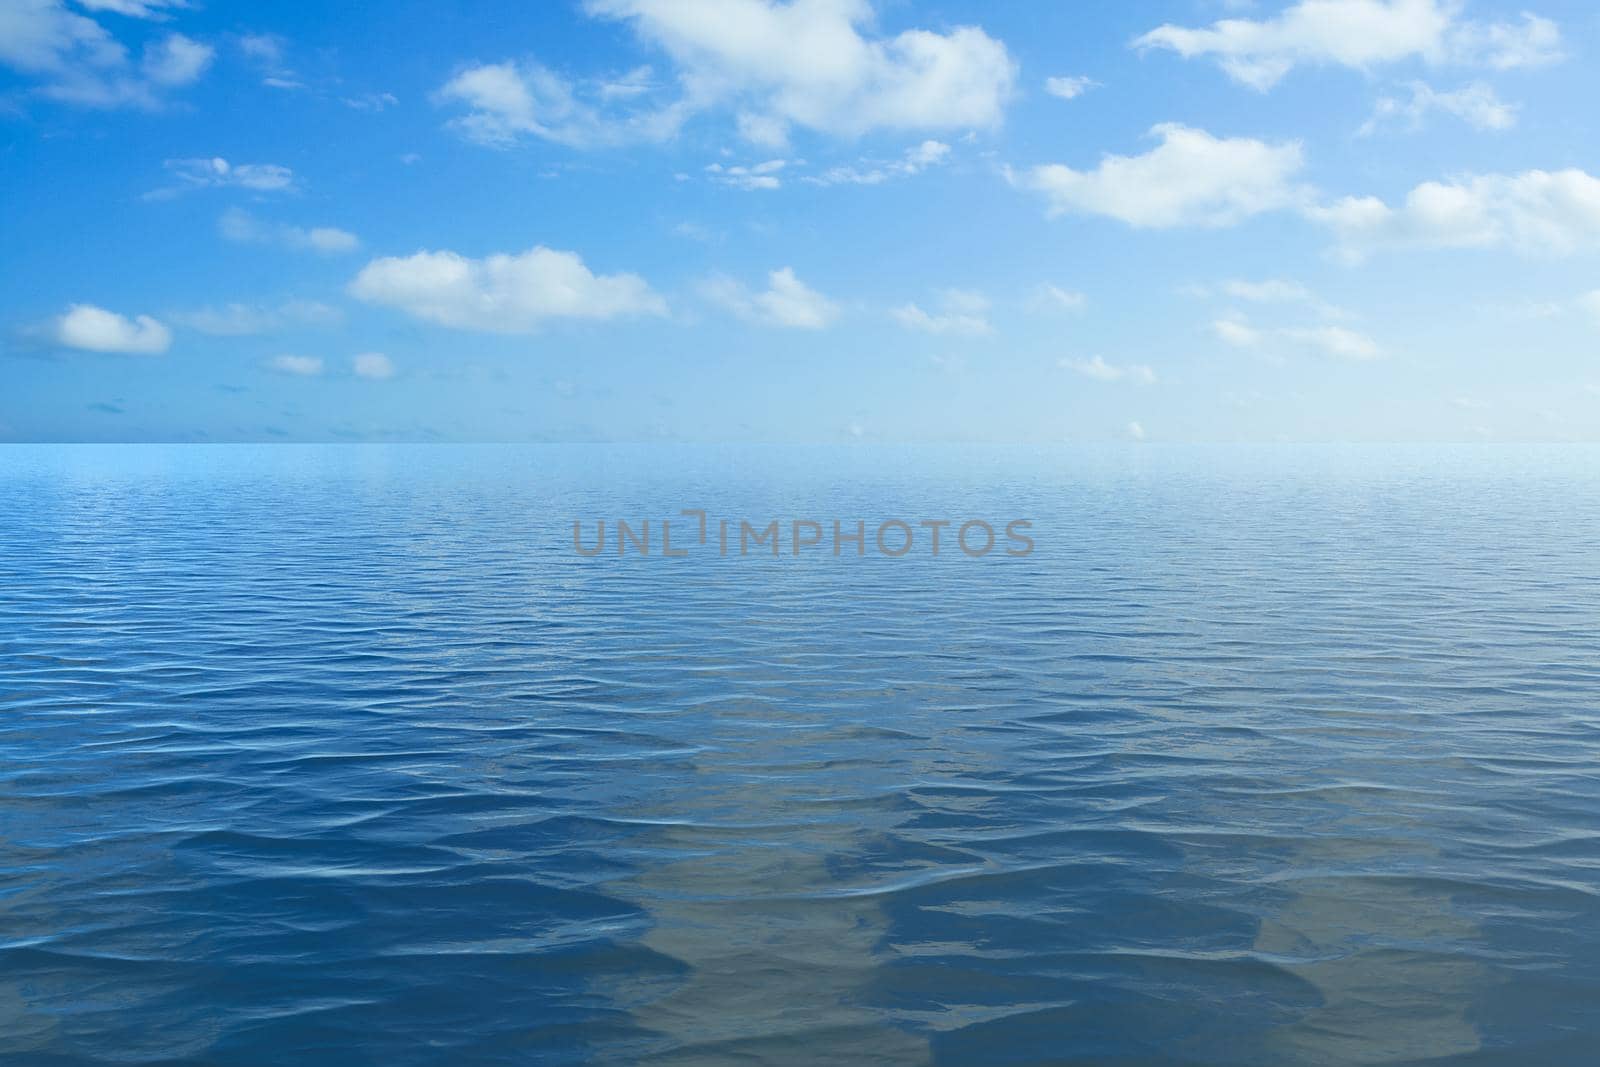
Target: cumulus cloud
787, 301
300, 366
77, 61
1477, 105
1190, 179
94, 329
1097, 368
1360, 34
502, 293
870, 172
245, 228
808, 63
812, 64
1535, 212
1069, 88
373, 366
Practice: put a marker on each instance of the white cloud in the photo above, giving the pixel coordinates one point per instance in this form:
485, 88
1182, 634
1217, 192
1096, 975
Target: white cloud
502, 293
1361, 34
371, 102
77, 61
749, 178
694, 231
176, 61
806, 63
139, 9
219, 173
916, 160
1272, 290
245, 228
628, 86
239, 320
374, 366
787, 301
814, 64
960, 312
1590, 302
1101, 371
1533, 212
1477, 105
1236, 332
266, 52
1337, 341
300, 366
1069, 88
1534, 42
94, 329
1135, 431
508, 101
1265, 291
1049, 297
1190, 179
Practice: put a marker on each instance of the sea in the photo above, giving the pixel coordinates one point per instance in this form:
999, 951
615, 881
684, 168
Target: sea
353, 755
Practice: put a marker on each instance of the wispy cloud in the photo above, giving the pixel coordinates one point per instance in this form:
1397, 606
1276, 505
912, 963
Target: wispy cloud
298, 366
1338, 341
1478, 105
373, 366
239, 320
1069, 88
959, 311
218, 173
72, 58
1097, 368
876, 172
749, 178
787, 301
241, 226
1048, 297
1360, 34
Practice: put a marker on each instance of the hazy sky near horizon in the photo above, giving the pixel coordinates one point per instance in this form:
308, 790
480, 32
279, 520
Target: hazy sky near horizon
824, 220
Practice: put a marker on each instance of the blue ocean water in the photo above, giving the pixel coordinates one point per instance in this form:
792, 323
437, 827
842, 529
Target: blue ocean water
342, 755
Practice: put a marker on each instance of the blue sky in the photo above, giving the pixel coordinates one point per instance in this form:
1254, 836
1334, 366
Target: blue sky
829, 220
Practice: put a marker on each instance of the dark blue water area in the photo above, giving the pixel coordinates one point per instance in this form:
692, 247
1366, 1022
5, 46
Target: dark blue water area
343, 755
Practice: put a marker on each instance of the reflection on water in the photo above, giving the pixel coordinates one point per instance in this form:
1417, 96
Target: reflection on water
340, 755
743, 888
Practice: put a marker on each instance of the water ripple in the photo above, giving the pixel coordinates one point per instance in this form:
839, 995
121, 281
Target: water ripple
340, 756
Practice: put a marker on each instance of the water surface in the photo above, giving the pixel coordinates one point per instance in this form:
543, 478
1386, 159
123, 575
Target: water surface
341, 755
